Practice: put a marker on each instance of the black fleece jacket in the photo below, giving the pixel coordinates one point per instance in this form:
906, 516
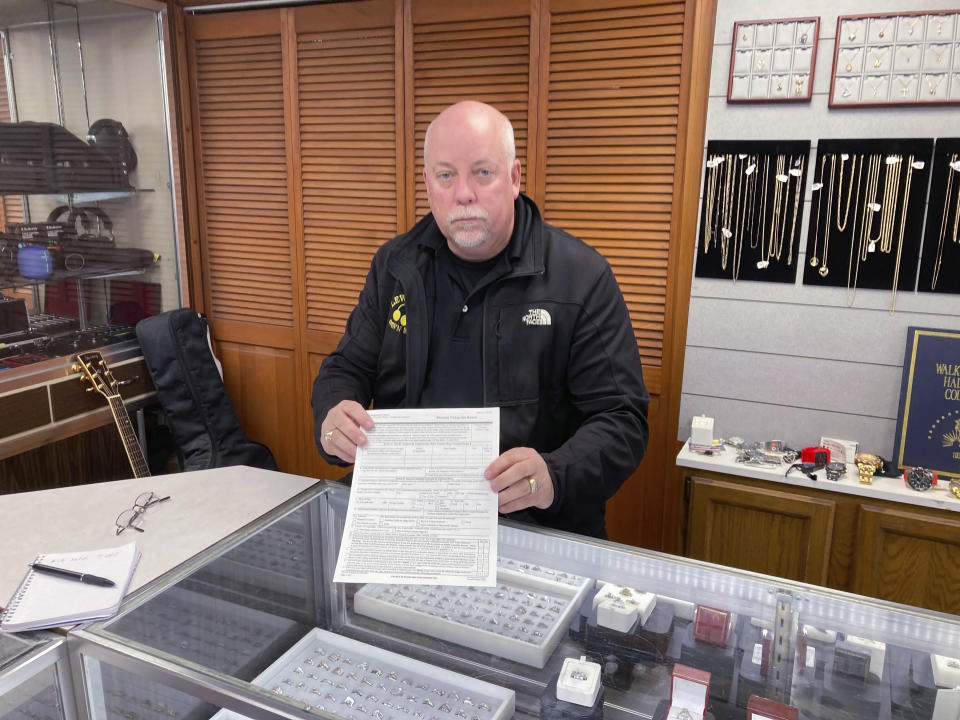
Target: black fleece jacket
559, 355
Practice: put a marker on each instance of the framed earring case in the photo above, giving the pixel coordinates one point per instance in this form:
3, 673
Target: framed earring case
910, 58
773, 60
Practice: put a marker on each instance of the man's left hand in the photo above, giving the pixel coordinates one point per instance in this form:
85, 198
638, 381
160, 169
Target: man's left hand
521, 479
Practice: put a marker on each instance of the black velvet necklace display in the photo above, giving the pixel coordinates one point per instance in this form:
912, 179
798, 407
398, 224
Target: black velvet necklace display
752, 209
940, 261
866, 214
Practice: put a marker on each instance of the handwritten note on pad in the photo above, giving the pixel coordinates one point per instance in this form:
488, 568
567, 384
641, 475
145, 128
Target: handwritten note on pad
44, 600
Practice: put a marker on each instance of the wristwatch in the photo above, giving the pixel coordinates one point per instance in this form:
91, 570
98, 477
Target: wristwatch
836, 470
867, 464
920, 479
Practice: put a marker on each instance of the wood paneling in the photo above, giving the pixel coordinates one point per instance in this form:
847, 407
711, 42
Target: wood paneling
465, 51
881, 549
242, 169
346, 87
767, 531
908, 556
22, 411
340, 96
70, 397
613, 89
260, 381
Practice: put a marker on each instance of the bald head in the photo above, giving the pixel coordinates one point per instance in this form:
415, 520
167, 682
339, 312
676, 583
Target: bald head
480, 117
472, 175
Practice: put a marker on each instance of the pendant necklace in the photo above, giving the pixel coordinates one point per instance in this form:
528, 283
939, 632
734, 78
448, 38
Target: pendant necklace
818, 187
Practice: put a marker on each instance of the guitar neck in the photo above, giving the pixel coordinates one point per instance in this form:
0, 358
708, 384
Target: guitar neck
130, 443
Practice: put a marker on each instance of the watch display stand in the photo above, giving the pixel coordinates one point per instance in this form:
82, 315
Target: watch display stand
753, 670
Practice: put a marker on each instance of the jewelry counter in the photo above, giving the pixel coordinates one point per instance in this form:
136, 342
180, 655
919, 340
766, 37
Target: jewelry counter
254, 627
35, 682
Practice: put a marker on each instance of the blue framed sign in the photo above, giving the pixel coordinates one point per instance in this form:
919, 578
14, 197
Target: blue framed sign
928, 422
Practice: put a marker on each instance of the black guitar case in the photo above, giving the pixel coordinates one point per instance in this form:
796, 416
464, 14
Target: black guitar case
204, 424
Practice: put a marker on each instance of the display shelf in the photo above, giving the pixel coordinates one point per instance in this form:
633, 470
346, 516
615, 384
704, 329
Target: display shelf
347, 678
523, 618
883, 488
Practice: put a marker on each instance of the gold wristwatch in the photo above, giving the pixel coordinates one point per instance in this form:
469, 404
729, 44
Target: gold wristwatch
867, 465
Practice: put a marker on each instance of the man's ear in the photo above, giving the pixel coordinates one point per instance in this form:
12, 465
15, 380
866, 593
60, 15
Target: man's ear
515, 175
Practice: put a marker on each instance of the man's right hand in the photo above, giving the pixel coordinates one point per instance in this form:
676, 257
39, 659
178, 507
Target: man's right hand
342, 429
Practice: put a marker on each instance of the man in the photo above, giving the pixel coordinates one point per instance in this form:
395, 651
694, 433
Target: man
483, 304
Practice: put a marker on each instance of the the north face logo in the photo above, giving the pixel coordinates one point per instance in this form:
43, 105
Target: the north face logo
536, 316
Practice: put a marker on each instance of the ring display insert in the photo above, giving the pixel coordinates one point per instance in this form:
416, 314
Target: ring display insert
522, 618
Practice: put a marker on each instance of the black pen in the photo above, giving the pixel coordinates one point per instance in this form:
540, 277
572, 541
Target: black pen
74, 575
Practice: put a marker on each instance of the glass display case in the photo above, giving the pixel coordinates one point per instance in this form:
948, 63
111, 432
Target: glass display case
89, 223
575, 628
35, 682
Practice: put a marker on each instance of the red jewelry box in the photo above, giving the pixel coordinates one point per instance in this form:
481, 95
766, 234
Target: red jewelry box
712, 626
688, 691
760, 708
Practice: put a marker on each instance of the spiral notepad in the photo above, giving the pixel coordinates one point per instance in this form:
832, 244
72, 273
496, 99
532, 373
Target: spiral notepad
43, 600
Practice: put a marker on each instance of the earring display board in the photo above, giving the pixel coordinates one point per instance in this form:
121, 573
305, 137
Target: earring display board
752, 209
773, 60
866, 220
902, 59
940, 261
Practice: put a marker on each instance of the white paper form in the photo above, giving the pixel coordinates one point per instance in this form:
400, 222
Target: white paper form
420, 509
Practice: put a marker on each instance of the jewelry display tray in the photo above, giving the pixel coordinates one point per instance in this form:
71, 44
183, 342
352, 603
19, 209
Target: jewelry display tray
413, 608
347, 678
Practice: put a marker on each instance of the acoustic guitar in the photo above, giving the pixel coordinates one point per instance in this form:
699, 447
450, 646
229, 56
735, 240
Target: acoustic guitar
96, 372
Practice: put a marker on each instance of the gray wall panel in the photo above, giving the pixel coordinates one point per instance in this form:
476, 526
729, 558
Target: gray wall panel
759, 377
769, 359
798, 427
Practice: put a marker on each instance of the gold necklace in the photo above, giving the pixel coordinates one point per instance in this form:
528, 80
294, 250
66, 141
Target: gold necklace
853, 235
725, 218
911, 25
798, 173
846, 212
738, 244
878, 56
824, 269
818, 186
785, 192
904, 86
883, 30
943, 221
934, 88
867, 243
778, 180
903, 225
710, 203
763, 205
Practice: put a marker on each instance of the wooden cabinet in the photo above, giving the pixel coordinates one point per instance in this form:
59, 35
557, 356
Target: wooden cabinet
886, 550
796, 531
909, 556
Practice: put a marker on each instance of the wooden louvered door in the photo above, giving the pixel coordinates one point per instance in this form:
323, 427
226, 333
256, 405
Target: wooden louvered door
308, 142
610, 87
349, 152
476, 51
243, 204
